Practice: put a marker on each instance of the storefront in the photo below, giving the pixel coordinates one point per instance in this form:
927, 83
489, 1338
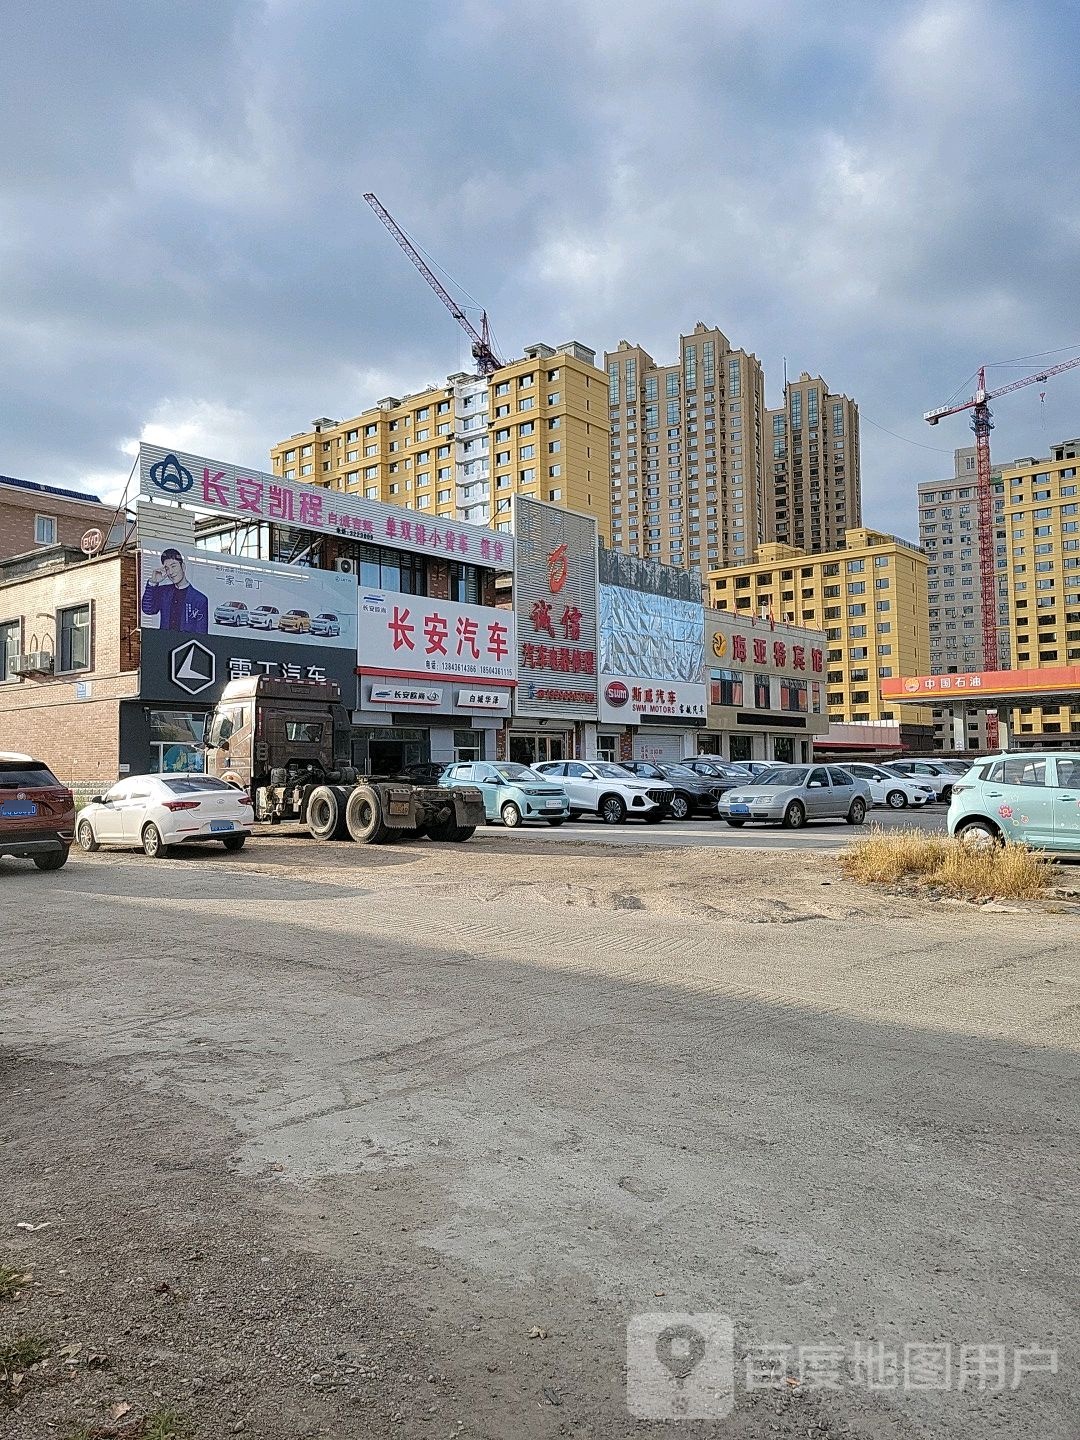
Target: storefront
652, 692
555, 582
766, 689
434, 680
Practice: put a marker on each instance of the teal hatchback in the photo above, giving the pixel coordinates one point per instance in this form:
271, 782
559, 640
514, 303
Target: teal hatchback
1032, 797
512, 793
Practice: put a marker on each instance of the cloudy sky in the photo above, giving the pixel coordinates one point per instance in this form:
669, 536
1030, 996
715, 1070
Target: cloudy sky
886, 195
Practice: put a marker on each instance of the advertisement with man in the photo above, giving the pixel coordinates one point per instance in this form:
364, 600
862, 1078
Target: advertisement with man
202, 592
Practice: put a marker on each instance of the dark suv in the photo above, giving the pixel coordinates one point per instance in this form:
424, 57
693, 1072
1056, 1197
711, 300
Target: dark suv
37, 813
693, 792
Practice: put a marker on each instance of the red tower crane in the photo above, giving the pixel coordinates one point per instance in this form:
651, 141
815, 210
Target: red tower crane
487, 360
982, 423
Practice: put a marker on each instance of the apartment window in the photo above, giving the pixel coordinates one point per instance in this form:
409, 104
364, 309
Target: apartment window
9, 648
73, 629
443, 497
557, 495
44, 529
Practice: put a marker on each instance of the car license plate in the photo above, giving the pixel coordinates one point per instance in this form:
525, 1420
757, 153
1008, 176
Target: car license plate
221, 825
18, 809
553, 805
739, 809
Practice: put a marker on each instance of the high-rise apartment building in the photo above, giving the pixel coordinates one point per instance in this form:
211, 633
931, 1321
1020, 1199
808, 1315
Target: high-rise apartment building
537, 427
814, 489
1042, 537
949, 533
686, 452
869, 596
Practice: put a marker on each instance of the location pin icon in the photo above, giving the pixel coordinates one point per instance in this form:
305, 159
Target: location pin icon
679, 1348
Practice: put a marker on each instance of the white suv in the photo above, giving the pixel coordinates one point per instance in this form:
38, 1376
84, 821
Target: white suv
607, 790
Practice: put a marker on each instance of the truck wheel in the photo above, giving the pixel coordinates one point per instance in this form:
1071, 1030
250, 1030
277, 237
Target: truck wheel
363, 815
464, 832
326, 812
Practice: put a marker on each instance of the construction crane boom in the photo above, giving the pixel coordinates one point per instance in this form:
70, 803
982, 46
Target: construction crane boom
982, 423
982, 395
482, 348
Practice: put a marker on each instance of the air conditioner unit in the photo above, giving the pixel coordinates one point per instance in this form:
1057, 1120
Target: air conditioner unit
344, 565
40, 662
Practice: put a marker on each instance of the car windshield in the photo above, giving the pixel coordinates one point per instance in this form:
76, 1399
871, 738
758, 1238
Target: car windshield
327, 616
24, 773
267, 609
194, 784
785, 776
513, 773
682, 771
613, 772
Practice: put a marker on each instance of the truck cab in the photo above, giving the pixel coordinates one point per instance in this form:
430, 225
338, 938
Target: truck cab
289, 743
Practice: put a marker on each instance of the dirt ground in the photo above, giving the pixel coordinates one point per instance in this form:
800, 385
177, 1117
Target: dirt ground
342, 1142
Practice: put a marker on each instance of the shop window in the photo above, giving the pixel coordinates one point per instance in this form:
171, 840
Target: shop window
394, 570
783, 749
761, 693
464, 583
740, 747
607, 747
793, 696
468, 744
176, 739
726, 687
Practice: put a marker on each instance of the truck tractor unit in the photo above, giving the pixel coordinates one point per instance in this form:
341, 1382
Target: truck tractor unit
289, 744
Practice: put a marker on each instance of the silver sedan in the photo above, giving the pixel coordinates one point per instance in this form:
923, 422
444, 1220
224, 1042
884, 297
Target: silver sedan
791, 795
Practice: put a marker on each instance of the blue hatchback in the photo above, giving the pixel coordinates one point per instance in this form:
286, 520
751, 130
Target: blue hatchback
512, 793
1033, 797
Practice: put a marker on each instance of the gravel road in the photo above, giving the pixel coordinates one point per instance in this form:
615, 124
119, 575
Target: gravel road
346, 1142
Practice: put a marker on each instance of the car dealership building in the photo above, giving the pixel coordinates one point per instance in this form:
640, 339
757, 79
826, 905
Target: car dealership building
448, 641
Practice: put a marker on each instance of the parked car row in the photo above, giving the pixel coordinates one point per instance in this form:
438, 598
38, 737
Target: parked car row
269, 617
1033, 798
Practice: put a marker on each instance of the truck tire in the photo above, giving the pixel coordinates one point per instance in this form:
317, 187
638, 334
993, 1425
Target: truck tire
325, 817
363, 816
464, 832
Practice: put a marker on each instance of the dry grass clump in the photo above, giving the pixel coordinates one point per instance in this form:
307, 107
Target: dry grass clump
998, 872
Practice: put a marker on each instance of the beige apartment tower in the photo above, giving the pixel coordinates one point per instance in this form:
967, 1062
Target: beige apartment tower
686, 452
814, 492
537, 427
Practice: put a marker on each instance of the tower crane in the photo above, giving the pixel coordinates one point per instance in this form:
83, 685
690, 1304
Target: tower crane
982, 423
483, 350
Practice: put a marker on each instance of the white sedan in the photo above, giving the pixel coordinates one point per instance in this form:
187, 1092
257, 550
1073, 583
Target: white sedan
891, 789
157, 811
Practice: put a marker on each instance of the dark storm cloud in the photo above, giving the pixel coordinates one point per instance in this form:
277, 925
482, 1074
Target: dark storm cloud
886, 197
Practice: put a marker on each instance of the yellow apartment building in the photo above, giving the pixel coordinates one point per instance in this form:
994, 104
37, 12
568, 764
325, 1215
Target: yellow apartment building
869, 596
1042, 535
537, 427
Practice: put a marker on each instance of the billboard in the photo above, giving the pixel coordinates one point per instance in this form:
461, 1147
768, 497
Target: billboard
253, 495
202, 592
652, 657
555, 583
417, 635
636, 572
193, 670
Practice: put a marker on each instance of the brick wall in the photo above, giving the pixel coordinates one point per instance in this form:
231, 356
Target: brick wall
77, 737
73, 518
